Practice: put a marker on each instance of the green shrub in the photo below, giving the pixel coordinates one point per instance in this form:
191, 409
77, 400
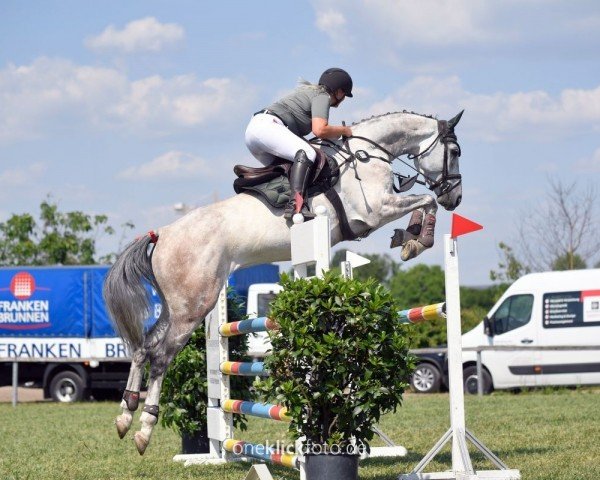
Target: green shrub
340, 358
184, 393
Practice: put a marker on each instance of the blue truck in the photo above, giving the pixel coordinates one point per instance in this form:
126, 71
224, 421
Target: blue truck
54, 324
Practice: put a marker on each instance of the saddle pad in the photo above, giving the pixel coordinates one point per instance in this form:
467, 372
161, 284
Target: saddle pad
276, 192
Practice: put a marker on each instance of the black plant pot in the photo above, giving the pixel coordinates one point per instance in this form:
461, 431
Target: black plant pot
196, 442
331, 467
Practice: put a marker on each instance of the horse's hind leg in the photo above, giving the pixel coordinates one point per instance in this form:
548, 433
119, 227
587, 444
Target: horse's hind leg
160, 356
131, 396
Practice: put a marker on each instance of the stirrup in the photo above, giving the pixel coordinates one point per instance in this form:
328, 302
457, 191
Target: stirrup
290, 211
306, 213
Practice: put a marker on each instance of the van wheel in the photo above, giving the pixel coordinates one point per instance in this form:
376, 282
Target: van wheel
426, 379
470, 379
67, 387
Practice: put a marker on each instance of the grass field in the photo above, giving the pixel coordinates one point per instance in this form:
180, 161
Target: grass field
546, 434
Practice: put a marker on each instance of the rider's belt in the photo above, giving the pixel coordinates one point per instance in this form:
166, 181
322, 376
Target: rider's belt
270, 112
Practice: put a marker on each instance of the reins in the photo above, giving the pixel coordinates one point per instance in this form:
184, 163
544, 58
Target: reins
404, 182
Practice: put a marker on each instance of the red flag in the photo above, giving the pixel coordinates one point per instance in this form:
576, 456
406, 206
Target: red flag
462, 225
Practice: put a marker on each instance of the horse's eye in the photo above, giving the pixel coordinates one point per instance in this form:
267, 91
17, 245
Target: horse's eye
454, 150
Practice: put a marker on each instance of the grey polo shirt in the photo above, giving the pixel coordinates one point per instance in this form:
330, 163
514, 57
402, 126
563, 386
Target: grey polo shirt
298, 109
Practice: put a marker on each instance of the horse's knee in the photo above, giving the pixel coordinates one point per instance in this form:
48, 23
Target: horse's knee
431, 204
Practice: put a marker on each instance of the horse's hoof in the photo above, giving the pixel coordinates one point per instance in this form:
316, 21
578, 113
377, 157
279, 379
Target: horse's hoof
409, 251
122, 427
140, 442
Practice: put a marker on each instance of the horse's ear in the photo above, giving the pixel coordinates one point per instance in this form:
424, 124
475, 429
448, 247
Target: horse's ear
454, 120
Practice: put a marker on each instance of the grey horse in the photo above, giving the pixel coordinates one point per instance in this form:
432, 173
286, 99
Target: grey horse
192, 257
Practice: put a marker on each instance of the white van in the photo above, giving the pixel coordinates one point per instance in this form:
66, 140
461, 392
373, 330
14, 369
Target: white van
540, 309
259, 297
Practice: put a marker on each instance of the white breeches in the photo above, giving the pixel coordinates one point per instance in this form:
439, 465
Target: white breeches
267, 138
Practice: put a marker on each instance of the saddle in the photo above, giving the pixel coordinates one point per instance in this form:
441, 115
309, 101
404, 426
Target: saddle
272, 184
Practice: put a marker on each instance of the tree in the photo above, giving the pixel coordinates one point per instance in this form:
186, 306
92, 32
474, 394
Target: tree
510, 267
425, 285
419, 285
60, 238
569, 262
416, 287
563, 232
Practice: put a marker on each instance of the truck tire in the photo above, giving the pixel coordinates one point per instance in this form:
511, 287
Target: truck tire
67, 387
470, 381
426, 378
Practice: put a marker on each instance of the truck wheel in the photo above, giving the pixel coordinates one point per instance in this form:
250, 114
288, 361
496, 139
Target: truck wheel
470, 379
426, 379
67, 387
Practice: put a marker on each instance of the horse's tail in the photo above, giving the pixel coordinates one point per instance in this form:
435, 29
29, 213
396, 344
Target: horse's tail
126, 297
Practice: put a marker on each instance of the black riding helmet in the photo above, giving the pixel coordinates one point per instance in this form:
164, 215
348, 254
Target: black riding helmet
334, 78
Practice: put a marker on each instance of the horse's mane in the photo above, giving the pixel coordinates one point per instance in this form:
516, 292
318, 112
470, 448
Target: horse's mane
375, 117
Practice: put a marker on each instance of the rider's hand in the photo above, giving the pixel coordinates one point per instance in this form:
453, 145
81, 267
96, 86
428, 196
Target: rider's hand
347, 132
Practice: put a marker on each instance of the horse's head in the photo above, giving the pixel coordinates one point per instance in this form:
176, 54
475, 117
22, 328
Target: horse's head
429, 142
437, 159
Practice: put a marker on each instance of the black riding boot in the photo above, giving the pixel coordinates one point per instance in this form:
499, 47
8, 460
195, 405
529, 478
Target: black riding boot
299, 176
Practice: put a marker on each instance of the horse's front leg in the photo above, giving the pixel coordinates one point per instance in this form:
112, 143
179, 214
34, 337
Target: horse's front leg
419, 235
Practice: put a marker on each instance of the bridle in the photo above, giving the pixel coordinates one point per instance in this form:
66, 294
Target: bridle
446, 181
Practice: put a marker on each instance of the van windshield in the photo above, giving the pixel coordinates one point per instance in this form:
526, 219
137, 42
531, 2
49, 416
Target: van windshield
262, 301
514, 312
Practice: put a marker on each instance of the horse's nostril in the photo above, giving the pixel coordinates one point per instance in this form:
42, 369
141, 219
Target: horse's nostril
458, 200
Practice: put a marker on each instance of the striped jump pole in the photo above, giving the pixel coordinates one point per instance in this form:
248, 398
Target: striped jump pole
253, 325
261, 452
247, 369
262, 410
436, 311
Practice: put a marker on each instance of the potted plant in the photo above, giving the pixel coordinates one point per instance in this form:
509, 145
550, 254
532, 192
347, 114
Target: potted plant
340, 360
184, 393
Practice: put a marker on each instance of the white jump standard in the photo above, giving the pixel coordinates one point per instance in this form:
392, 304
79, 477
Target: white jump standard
462, 467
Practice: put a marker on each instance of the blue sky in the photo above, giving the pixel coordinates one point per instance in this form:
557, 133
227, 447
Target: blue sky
127, 108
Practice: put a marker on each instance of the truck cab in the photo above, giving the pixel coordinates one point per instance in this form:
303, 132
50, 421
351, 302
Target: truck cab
260, 296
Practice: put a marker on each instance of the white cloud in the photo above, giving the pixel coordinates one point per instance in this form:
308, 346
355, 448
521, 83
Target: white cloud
171, 165
401, 22
182, 100
430, 34
50, 96
143, 35
330, 19
590, 164
499, 115
19, 177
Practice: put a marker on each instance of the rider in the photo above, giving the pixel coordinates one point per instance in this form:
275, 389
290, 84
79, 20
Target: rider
278, 130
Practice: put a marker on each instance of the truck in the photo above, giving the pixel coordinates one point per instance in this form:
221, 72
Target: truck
54, 324
547, 312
